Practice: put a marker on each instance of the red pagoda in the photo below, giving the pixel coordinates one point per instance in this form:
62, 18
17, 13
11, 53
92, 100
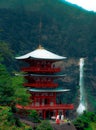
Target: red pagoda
41, 73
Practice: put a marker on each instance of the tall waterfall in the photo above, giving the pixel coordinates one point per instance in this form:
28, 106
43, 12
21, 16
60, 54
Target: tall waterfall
82, 104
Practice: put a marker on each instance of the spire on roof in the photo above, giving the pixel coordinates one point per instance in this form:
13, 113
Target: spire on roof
40, 47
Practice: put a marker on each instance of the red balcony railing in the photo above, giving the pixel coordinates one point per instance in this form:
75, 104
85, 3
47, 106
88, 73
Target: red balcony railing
40, 70
48, 107
38, 85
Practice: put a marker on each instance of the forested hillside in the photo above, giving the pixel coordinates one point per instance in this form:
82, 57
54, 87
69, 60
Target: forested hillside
59, 27
71, 28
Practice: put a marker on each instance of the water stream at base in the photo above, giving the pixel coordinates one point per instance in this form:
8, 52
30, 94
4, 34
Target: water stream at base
82, 104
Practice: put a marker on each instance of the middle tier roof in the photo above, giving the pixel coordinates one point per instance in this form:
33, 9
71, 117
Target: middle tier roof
49, 90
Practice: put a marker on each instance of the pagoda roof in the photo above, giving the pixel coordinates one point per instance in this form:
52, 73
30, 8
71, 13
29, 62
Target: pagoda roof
46, 75
49, 90
42, 75
41, 53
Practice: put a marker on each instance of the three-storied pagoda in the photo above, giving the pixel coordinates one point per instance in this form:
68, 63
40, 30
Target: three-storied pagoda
40, 75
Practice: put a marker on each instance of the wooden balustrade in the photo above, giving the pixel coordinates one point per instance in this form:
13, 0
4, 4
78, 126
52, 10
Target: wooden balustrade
40, 70
37, 85
45, 107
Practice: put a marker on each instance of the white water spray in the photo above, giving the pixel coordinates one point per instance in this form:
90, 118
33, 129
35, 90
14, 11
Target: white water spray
82, 104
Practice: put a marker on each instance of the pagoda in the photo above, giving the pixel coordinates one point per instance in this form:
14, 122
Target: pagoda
40, 74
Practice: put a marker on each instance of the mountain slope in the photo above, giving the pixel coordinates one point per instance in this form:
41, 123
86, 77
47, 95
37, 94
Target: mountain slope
73, 29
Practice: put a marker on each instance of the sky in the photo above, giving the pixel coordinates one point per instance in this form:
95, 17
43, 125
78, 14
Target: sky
89, 5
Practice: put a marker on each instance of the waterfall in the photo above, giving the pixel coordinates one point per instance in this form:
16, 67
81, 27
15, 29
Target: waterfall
82, 103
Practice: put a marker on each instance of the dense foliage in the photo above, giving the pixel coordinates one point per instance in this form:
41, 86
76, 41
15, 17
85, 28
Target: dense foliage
33, 116
87, 121
11, 92
11, 89
11, 86
45, 125
9, 122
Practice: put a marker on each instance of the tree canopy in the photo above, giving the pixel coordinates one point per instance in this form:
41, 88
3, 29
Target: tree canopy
86, 121
9, 122
11, 86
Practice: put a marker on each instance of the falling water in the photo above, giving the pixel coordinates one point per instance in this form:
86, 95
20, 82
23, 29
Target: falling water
82, 104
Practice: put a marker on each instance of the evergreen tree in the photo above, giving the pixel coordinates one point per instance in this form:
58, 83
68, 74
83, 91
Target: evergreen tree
9, 122
21, 95
45, 125
11, 87
6, 88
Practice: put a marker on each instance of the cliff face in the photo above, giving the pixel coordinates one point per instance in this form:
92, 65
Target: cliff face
71, 81
90, 83
70, 67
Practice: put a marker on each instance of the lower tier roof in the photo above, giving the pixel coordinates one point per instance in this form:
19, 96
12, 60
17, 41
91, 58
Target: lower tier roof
48, 90
42, 75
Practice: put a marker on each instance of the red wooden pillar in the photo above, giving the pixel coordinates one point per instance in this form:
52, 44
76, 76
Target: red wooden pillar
44, 114
56, 113
34, 101
54, 98
64, 113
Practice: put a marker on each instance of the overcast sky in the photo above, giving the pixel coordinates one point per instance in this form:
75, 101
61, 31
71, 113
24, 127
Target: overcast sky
86, 4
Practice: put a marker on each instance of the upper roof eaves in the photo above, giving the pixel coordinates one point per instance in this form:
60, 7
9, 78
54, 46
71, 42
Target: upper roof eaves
41, 53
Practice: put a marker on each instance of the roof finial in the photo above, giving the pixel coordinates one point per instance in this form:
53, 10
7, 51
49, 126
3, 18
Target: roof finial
40, 47
40, 31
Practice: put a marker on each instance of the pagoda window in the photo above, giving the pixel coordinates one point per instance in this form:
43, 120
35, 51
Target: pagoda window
46, 101
43, 65
44, 62
51, 103
31, 63
37, 102
51, 94
38, 64
43, 102
53, 66
43, 79
32, 104
37, 79
44, 94
37, 94
49, 64
49, 80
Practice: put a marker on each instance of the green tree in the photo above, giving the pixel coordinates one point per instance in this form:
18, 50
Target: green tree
45, 125
9, 122
11, 87
21, 95
83, 121
6, 89
7, 53
33, 115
